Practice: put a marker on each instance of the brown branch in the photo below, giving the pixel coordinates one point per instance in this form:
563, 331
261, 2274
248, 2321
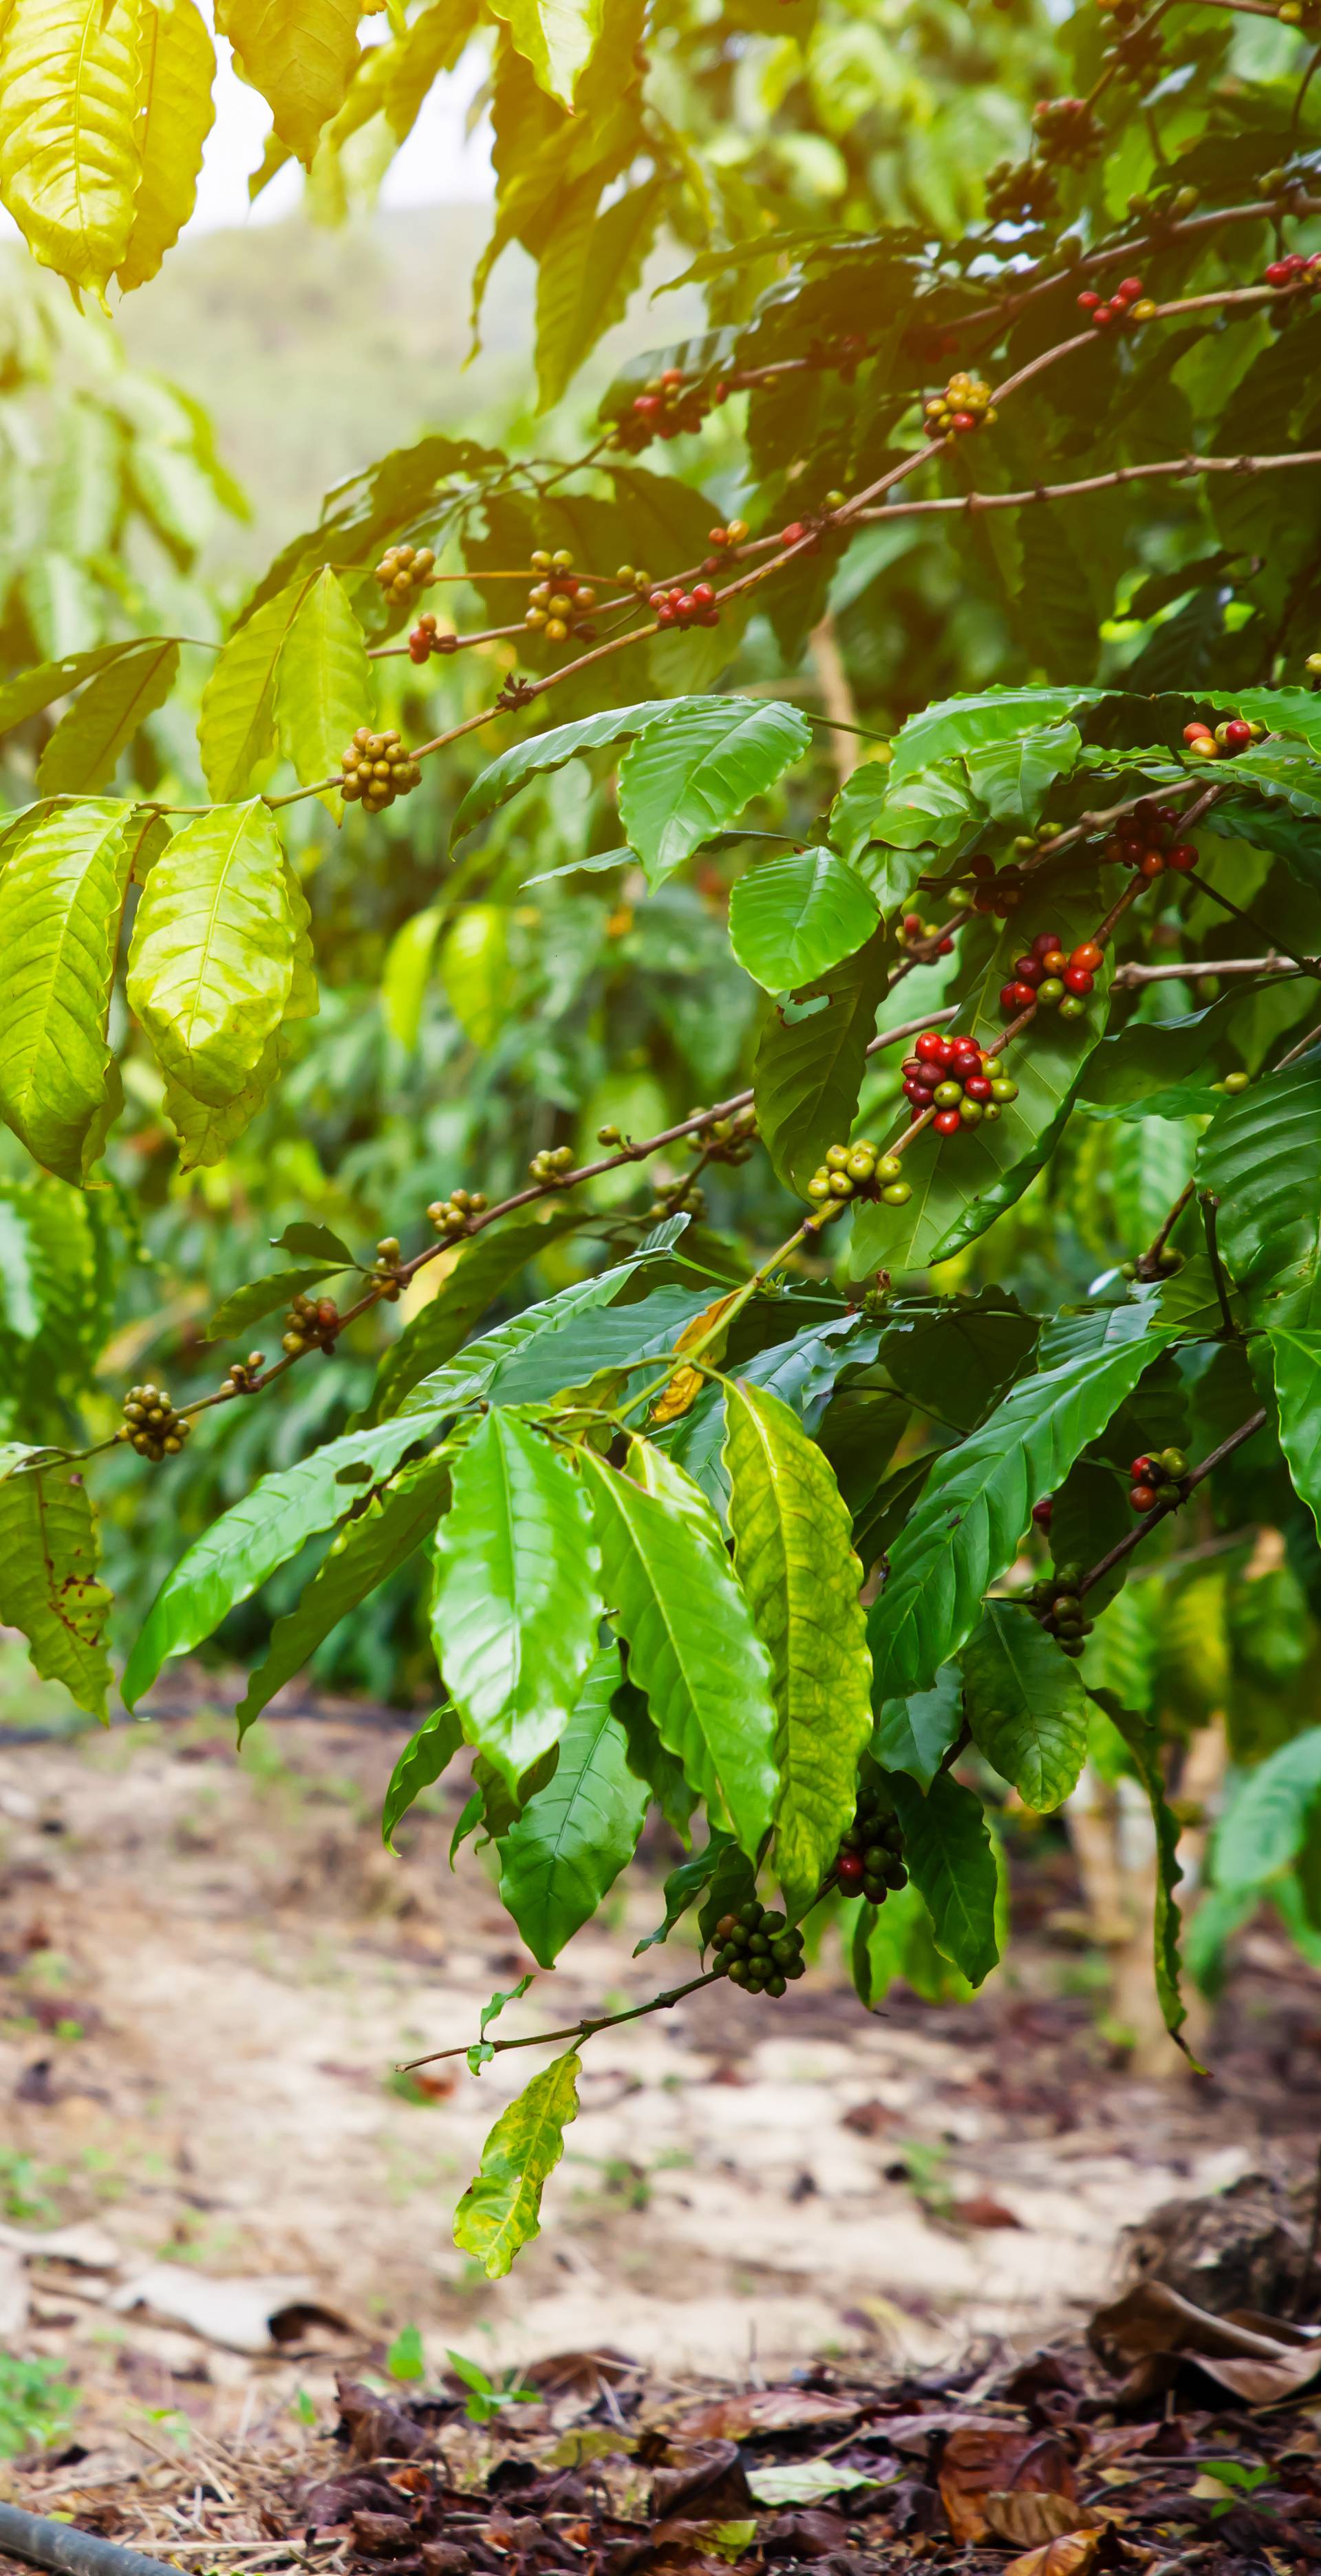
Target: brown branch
572, 2030
1178, 468
1124, 1547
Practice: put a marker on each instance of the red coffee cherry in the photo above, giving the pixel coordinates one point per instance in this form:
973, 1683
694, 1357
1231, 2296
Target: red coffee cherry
1078, 979
1151, 864
1045, 943
1237, 734
1028, 970
947, 1122
1181, 856
1088, 955
791, 535
978, 1086
1143, 1470
1042, 1511
1143, 1498
849, 1869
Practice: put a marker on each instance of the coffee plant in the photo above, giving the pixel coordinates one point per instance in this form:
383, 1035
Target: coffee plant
779, 1505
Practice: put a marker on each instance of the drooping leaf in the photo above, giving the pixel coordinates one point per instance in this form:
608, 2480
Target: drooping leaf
323, 683
808, 1070
236, 725
1261, 1157
423, 1759
915, 1734
547, 751
556, 37
590, 267
978, 1499
692, 1645
258, 1534
69, 146
86, 744
212, 958
1143, 1741
178, 62
500, 2210
574, 1837
396, 1521
301, 57
482, 1267
794, 1559
685, 1884
1026, 1706
695, 770
517, 1595
949, 1855
61, 899
796, 916
50, 1587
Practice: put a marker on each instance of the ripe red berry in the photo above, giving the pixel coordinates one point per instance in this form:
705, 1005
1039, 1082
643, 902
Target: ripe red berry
648, 405
685, 604
1237, 734
963, 420
1151, 864
980, 865
1022, 996
665, 615
1102, 317
978, 1086
1197, 731
1009, 996
1181, 856
1028, 970
1143, 1498
945, 948
947, 1122
672, 376
850, 1869
703, 594
1143, 1469
1041, 1512
930, 1047
1130, 288
790, 536
1078, 979
1088, 955
1278, 273
419, 645
918, 1093
912, 923
1045, 942
1088, 301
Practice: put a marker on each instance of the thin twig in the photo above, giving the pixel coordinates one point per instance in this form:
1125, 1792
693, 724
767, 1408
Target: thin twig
1210, 1205
1124, 1547
573, 2030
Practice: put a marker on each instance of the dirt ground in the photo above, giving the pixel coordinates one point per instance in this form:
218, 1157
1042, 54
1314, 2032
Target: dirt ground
210, 1969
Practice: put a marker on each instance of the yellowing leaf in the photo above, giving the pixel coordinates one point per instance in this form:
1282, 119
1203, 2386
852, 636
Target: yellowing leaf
87, 742
323, 686
431, 44
176, 116
556, 37
686, 1384
61, 898
212, 960
69, 149
300, 54
501, 2209
49, 1583
236, 727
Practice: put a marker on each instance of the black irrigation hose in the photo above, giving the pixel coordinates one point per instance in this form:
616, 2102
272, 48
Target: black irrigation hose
42, 2543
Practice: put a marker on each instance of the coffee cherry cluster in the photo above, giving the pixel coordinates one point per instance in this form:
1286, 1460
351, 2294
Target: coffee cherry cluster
668, 407
1231, 736
405, 569
1294, 268
870, 1859
551, 1163
856, 1171
733, 533
558, 604
964, 405
151, 1425
1021, 192
1128, 303
756, 1950
239, 1377
425, 638
450, 1216
680, 607
725, 1140
312, 1324
1049, 977
1145, 839
915, 932
633, 577
376, 768
991, 892
1057, 1600
1066, 130
1158, 1479
1153, 1265
957, 1080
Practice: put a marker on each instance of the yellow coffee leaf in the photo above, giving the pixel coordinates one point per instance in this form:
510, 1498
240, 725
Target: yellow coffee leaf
301, 55
176, 116
686, 1384
70, 139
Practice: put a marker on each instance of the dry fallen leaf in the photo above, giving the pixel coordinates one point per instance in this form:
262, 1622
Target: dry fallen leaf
764, 2410
1262, 2359
980, 2210
1028, 2516
980, 2460
1071, 2554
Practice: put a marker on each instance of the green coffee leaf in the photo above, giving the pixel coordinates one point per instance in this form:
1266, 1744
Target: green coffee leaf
32, 690
915, 1734
1271, 1816
501, 2210
794, 917
483, 1267
423, 1759
62, 893
978, 1500
262, 1296
969, 724
794, 1559
50, 1587
323, 683
949, 1856
474, 1373
315, 1243
574, 1837
494, 785
692, 1645
212, 959
517, 1597
1261, 1156
236, 726
1296, 1357
1142, 1737
1026, 1705
808, 1070
694, 771
396, 1521
685, 1884
1013, 779
84, 749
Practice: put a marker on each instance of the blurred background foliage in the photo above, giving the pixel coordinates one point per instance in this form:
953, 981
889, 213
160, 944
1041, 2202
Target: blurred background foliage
472, 1016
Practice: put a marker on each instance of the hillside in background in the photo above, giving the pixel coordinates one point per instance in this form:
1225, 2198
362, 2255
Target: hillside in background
315, 351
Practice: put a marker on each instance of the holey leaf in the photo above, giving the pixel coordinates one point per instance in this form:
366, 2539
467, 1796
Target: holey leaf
300, 54
572, 1839
692, 1646
794, 1559
49, 1582
962, 1183
212, 958
501, 2208
61, 897
795, 916
69, 144
978, 1501
1261, 1156
178, 63
692, 773
323, 686
517, 1599
1025, 1704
